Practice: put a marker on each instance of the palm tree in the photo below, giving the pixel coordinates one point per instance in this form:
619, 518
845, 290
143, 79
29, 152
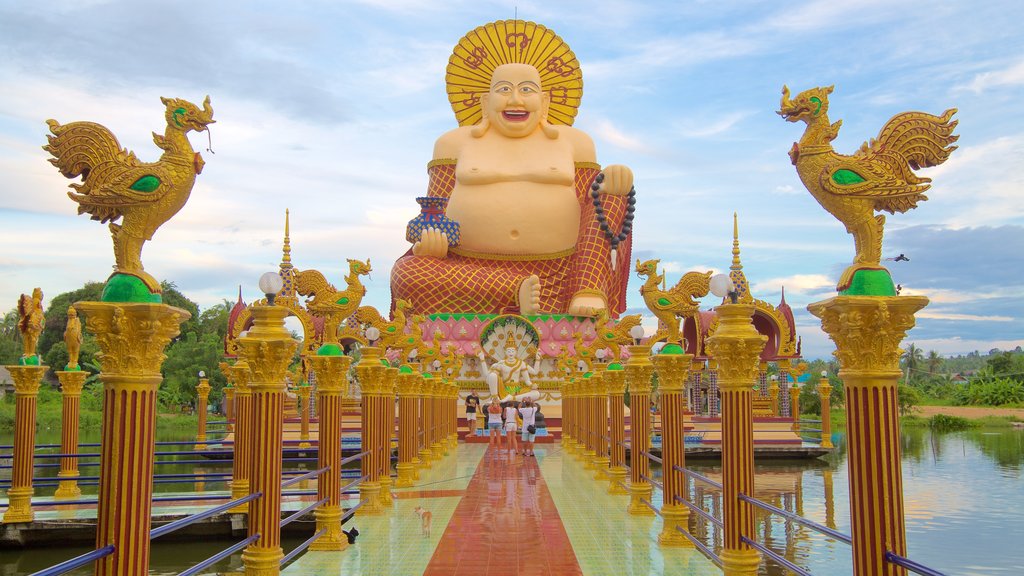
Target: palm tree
934, 361
913, 357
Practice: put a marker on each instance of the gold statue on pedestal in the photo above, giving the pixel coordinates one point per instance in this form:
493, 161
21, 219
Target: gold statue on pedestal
30, 323
879, 176
73, 338
116, 185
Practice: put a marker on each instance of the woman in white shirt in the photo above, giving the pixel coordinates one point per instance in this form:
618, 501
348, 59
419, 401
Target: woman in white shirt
528, 412
510, 428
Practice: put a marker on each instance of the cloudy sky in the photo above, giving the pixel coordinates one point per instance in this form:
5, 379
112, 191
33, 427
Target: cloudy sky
331, 108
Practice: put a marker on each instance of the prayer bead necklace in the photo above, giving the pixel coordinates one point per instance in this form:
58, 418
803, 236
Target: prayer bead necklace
627, 222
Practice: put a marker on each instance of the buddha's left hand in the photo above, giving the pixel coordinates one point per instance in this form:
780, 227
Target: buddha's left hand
618, 180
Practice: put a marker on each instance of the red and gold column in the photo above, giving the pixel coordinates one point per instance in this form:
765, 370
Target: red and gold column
241, 465
202, 401
794, 405
229, 407
773, 393
132, 338
736, 346
26, 393
867, 331
673, 366
331, 369
426, 420
639, 371
453, 415
436, 449
71, 382
387, 431
416, 422
268, 349
589, 451
371, 381
303, 391
572, 392
599, 394
615, 382
408, 383
825, 394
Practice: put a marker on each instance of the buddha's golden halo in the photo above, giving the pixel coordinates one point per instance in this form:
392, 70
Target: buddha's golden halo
482, 50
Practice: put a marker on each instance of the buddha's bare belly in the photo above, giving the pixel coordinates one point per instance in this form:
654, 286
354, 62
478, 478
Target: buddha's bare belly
527, 218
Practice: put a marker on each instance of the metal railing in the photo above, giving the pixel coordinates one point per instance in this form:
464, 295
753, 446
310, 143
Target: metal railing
76, 562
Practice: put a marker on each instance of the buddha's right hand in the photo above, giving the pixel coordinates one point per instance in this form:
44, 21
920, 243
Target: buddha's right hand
433, 242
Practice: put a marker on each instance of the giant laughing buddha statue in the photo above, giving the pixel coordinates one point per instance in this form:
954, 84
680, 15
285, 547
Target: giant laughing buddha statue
521, 217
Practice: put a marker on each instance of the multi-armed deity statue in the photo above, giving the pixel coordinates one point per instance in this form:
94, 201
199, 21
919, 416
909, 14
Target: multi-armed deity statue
532, 223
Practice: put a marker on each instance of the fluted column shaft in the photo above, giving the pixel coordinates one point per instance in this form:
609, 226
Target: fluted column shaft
304, 391
672, 372
867, 331
202, 401
241, 465
71, 383
407, 387
736, 346
132, 338
386, 421
26, 394
615, 381
332, 381
229, 407
639, 371
371, 382
599, 397
267, 349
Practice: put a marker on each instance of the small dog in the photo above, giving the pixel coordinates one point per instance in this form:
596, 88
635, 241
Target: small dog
425, 517
351, 535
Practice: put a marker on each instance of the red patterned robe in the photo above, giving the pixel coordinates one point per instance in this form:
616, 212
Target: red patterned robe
489, 284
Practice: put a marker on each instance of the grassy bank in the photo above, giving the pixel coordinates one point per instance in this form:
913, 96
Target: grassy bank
48, 416
938, 421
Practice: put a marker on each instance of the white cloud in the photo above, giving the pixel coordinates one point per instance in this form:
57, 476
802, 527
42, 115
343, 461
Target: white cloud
801, 283
1012, 75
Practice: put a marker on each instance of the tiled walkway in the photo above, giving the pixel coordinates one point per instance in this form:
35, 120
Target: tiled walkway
493, 517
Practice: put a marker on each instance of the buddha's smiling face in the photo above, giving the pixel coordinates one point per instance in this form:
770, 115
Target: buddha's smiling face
515, 104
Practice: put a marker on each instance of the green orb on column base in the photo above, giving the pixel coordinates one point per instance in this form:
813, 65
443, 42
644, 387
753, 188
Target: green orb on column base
122, 287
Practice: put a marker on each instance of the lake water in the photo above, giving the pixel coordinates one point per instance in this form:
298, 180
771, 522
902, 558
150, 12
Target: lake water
963, 494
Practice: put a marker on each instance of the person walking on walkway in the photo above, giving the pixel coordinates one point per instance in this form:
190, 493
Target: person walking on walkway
494, 422
472, 403
528, 412
511, 426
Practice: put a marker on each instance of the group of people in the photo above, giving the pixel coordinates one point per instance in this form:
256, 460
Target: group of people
511, 417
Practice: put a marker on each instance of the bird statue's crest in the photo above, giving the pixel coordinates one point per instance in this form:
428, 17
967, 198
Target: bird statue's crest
878, 177
116, 185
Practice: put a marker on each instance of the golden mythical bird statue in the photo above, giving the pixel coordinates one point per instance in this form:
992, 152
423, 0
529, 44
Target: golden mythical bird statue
392, 334
30, 322
615, 335
116, 185
670, 305
879, 176
329, 303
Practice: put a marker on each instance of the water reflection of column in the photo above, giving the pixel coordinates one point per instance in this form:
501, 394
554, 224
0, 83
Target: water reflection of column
867, 331
71, 383
615, 380
700, 529
132, 338
331, 369
241, 464
26, 394
639, 371
716, 511
830, 502
736, 345
672, 367
268, 348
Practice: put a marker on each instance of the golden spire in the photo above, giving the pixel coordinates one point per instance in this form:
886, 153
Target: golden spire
286, 251
738, 278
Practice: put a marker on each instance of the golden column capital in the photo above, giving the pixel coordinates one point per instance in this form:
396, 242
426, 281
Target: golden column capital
639, 369
132, 336
615, 381
229, 392
672, 371
268, 348
825, 395
867, 330
203, 388
736, 346
242, 377
331, 373
71, 382
26, 379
